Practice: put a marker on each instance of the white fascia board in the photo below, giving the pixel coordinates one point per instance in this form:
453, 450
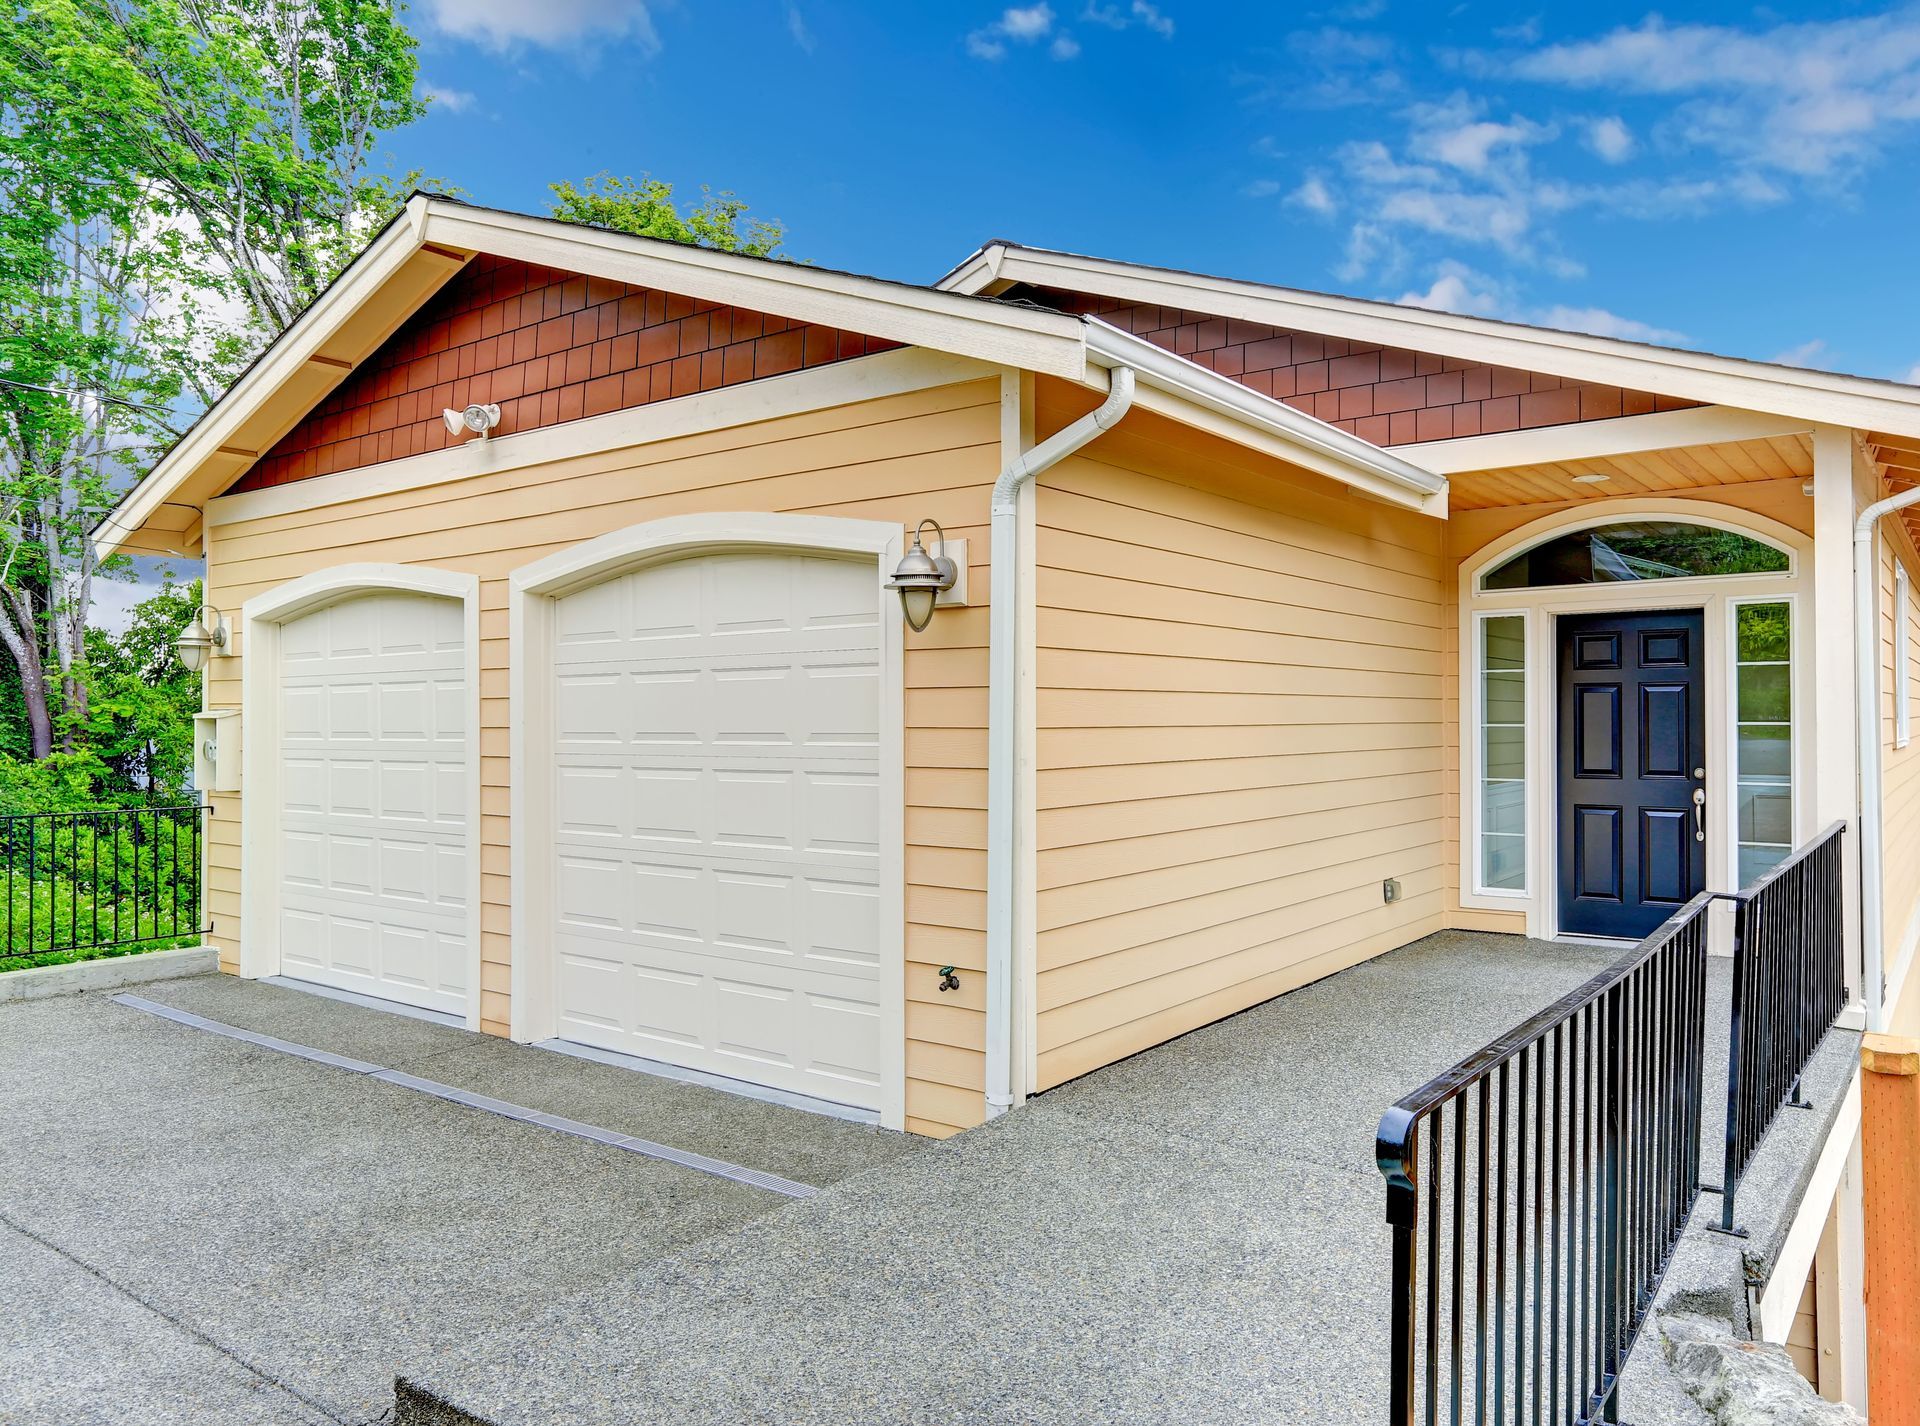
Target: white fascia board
1046, 342
1593, 440
1292, 435
1823, 397
292, 350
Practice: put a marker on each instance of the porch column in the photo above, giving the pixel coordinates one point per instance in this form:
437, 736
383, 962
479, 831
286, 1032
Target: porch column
1837, 465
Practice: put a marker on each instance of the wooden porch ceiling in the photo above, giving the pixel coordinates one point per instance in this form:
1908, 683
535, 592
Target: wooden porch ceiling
1643, 473
1899, 458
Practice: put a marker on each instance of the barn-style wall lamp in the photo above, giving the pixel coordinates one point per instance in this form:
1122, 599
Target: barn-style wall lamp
920, 578
200, 638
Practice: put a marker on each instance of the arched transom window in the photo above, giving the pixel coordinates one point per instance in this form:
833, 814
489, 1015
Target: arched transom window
1636, 550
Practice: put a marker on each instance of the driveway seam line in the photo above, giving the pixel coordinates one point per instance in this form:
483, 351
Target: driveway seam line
175, 1320
506, 1109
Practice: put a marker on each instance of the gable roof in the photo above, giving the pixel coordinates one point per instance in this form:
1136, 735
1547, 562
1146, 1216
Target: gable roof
1816, 396
432, 238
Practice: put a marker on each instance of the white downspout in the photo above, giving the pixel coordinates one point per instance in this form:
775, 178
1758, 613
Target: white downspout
1002, 704
1866, 673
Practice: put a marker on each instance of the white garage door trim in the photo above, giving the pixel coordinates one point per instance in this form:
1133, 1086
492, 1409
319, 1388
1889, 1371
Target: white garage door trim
534, 591
262, 789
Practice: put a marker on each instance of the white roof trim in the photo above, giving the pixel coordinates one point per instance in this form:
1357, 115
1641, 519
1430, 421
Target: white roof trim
1823, 397
1305, 440
1595, 440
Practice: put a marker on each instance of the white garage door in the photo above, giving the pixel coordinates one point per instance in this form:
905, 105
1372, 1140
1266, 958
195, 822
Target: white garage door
716, 814
373, 821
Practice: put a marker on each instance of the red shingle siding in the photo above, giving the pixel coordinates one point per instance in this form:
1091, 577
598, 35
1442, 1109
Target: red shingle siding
548, 346
1387, 395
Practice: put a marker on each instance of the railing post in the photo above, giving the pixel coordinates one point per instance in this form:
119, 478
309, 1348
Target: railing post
1730, 1171
1612, 1134
1398, 1159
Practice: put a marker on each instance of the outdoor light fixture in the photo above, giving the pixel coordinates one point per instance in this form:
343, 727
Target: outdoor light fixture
920, 578
475, 420
198, 640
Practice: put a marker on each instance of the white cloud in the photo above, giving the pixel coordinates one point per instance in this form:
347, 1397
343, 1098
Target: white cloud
1807, 354
1602, 323
554, 24
1812, 99
1459, 288
1611, 139
797, 29
1260, 188
1314, 196
1022, 24
454, 101
1912, 378
1115, 17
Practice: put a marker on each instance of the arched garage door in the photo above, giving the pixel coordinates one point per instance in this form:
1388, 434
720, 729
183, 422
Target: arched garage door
716, 818
373, 818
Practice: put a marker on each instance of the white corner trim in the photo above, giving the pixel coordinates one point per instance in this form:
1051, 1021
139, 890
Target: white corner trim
843, 383
533, 591
1593, 440
1781, 1296
1302, 439
261, 618
1693, 376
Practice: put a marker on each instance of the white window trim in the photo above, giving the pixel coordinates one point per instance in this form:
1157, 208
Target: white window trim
262, 776
533, 592
1499, 895
1798, 743
1902, 674
1710, 594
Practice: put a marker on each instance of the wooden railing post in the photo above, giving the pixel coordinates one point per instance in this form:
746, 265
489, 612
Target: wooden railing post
1890, 1154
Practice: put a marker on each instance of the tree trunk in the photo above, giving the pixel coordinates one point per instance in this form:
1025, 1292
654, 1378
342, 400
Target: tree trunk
33, 689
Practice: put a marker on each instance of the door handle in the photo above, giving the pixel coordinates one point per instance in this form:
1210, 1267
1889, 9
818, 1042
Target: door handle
1699, 814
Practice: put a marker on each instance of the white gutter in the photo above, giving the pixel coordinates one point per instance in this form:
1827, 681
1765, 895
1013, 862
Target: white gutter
1866, 697
1002, 707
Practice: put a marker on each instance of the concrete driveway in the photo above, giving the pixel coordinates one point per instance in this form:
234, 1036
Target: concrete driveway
198, 1229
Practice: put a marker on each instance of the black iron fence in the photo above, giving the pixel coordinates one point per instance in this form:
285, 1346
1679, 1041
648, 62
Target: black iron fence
1789, 984
115, 878
1536, 1191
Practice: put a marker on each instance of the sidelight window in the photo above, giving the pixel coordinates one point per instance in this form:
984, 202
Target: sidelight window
1763, 736
1502, 678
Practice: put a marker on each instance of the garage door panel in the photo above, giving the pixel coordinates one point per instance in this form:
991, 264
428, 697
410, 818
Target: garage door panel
374, 814
717, 818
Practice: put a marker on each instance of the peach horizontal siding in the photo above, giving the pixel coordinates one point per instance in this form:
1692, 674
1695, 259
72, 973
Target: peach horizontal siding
1900, 767
1239, 688
900, 458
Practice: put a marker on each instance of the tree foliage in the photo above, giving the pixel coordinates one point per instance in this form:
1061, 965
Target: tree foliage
646, 208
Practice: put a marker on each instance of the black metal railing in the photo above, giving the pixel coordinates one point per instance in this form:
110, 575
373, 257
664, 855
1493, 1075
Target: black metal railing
112, 878
1789, 984
1536, 1191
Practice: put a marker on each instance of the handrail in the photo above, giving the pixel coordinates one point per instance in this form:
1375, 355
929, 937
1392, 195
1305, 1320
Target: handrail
1537, 1188
1789, 985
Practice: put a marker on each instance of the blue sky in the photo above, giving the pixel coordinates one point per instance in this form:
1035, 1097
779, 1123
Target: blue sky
1735, 179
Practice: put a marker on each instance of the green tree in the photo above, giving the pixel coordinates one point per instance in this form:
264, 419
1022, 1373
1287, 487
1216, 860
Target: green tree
178, 179
646, 208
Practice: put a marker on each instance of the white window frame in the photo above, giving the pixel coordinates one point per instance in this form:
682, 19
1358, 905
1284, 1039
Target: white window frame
1902, 673
1476, 721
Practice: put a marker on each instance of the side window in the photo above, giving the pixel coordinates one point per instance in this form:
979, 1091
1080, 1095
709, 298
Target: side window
1902, 672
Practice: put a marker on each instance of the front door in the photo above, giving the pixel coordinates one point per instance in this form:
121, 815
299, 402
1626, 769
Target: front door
1632, 754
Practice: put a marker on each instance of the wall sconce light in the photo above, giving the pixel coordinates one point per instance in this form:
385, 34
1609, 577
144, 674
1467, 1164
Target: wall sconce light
920, 578
199, 639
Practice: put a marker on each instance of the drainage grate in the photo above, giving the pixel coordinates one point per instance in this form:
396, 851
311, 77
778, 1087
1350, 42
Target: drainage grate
647, 1148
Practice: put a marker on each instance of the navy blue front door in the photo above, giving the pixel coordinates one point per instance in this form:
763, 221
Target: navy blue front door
1632, 752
